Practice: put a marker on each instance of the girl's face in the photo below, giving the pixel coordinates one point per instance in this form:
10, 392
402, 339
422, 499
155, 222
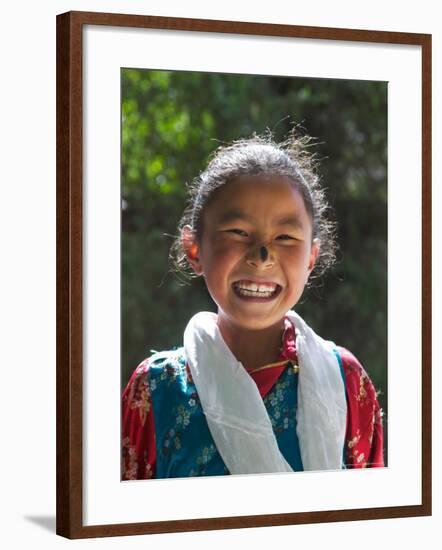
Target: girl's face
256, 250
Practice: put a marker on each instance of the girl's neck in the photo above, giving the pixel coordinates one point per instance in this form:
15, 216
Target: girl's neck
253, 348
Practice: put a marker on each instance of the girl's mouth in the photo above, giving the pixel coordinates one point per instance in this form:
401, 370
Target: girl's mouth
253, 290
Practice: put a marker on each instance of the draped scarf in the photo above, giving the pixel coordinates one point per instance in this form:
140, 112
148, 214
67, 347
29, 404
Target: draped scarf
236, 414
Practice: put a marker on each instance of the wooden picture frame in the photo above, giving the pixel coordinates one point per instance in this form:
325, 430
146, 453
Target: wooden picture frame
71, 284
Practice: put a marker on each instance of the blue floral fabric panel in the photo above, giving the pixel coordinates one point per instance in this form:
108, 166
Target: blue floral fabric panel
184, 444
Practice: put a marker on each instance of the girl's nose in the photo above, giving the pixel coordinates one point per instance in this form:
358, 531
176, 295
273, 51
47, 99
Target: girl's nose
260, 256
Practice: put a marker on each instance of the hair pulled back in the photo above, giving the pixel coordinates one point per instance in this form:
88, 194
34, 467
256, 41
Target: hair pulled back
259, 155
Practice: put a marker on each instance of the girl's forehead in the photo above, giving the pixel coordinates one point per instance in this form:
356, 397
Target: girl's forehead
267, 194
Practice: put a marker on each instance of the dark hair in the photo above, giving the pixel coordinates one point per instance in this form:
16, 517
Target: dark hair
260, 155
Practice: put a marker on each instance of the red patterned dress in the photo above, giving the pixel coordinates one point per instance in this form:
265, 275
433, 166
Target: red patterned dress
143, 453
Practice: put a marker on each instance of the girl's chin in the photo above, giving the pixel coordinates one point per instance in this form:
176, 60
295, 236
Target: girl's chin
238, 320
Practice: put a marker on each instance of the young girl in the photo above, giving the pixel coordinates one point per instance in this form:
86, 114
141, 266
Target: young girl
253, 389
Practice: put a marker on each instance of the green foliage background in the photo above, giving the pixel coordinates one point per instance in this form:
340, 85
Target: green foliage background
172, 121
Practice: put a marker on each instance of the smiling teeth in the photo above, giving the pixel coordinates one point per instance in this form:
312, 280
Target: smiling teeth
258, 294
254, 289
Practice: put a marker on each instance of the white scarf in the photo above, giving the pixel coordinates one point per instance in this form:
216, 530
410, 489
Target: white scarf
235, 411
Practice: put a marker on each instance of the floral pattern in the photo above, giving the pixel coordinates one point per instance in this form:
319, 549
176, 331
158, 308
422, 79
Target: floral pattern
364, 447
182, 415
139, 397
203, 458
281, 415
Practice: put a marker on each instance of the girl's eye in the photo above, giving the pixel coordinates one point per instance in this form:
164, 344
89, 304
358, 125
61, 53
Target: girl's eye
239, 232
285, 238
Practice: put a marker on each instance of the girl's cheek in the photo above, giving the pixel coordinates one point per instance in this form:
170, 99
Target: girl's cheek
295, 251
223, 248
289, 253
217, 249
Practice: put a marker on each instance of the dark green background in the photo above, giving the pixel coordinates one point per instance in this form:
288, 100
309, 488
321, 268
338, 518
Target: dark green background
171, 121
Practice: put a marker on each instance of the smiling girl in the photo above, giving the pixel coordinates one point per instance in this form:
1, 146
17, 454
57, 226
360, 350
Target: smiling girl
253, 389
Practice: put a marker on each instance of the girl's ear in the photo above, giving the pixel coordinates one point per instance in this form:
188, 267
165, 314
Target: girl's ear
314, 252
190, 245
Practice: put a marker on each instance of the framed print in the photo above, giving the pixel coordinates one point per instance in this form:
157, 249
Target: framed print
152, 114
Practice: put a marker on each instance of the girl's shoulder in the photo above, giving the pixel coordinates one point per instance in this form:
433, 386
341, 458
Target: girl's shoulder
171, 362
160, 360
349, 361
163, 358
158, 367
356, 376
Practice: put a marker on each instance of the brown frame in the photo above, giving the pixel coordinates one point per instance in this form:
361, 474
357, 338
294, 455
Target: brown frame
69, 273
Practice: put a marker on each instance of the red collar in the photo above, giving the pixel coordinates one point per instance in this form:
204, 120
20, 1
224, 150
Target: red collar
267, 378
